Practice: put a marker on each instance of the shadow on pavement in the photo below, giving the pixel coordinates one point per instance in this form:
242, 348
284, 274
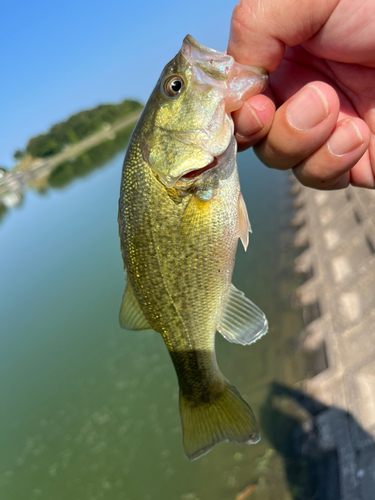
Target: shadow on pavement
325, 445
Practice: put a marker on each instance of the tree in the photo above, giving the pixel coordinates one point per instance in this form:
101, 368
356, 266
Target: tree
79, 126
18, 155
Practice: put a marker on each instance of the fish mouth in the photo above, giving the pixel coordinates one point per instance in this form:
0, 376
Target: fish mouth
193, 174
218, 161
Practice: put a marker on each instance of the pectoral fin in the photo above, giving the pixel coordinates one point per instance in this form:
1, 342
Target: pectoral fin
131, 315
242, 322
243, 222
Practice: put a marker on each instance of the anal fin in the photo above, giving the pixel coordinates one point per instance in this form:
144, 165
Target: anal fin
242, 322
131, 315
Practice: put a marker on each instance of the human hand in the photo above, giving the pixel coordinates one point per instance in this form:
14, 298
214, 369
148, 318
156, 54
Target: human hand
321, 58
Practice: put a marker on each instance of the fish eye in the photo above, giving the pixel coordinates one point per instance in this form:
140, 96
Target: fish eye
173, 85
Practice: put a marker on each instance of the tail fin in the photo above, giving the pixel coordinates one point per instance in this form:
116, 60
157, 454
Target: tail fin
226, 418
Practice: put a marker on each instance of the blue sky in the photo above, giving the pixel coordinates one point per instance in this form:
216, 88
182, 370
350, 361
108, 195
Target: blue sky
59, 57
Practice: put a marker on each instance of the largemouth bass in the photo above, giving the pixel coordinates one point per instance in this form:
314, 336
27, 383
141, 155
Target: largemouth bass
181, 214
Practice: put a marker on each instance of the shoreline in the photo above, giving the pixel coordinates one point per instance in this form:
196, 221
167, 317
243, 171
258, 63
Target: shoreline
15, 180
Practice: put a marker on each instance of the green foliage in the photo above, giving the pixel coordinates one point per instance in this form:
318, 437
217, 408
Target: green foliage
79, 126
90, 160
3, 211
18, 155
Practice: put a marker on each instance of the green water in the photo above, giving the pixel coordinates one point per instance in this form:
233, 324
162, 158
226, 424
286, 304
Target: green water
89, 411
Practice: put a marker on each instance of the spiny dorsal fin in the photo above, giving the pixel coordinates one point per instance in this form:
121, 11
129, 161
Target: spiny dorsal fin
131, 315
244, 226
242, 322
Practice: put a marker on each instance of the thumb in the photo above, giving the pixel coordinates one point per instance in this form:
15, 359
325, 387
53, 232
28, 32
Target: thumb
260, 29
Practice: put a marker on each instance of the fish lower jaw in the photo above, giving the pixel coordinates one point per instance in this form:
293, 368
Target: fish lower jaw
217, 162
193, 174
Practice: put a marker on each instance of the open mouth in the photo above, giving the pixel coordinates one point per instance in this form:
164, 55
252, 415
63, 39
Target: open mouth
195, 173
219, 161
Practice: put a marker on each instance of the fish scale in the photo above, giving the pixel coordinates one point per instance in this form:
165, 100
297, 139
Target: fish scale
179, 237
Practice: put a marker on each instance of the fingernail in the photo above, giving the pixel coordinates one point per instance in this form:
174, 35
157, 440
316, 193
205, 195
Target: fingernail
248, 125
309, 108
344, 139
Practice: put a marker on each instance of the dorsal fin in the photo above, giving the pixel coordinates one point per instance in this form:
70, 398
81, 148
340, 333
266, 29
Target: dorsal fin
131, 315
244, 226
242, 322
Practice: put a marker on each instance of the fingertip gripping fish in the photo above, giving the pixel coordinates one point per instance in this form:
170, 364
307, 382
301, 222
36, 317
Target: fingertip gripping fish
181, 214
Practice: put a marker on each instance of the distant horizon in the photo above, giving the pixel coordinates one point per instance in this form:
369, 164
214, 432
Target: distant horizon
64, 57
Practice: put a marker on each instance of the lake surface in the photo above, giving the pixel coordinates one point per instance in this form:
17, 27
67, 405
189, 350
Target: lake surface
89, 411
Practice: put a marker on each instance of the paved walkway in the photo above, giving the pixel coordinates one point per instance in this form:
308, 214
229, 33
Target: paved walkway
336, 231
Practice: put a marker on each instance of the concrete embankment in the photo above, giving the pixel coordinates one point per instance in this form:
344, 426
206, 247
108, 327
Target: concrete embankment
336, 232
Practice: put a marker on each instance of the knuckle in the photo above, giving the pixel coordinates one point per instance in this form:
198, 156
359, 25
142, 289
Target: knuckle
312, 174
242, 14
